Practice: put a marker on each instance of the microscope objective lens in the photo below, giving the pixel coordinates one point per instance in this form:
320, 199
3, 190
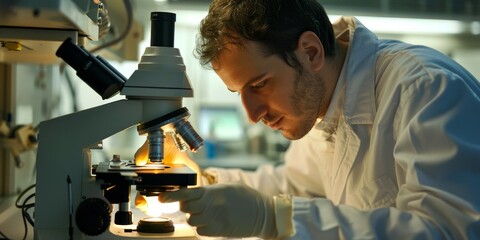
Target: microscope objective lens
155, 145
191, 137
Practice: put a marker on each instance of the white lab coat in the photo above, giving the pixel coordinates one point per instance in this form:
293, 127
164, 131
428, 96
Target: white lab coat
404, 162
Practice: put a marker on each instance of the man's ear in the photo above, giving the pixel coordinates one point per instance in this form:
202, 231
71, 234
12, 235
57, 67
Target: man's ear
310, 51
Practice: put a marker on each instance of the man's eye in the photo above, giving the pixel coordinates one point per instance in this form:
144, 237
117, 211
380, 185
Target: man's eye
259, 84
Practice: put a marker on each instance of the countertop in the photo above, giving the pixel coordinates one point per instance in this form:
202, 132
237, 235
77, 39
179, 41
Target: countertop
11, 222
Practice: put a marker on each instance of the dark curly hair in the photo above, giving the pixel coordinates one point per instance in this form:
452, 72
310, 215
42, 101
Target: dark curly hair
275, 24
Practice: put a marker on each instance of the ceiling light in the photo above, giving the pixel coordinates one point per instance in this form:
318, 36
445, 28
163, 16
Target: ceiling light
409, 25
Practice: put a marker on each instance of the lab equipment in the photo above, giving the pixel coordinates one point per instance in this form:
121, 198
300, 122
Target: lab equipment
18, 139
153, 103
95, 71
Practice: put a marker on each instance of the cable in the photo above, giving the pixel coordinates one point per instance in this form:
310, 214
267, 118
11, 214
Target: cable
21, 195
4, 237
128, 8
25, 207
25, 216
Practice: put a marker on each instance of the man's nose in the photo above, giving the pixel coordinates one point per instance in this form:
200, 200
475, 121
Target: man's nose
254, 106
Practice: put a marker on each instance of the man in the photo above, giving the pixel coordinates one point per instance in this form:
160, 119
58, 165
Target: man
386, 142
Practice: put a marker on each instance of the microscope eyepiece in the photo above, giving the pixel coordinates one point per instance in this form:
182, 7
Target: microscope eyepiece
95, 71
162, 29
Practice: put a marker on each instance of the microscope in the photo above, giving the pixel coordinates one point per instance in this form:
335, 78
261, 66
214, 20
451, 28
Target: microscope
76, 199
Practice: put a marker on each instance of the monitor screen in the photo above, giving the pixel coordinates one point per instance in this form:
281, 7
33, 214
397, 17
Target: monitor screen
222, 123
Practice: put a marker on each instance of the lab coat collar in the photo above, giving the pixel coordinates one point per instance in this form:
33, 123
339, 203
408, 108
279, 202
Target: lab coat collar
359, 107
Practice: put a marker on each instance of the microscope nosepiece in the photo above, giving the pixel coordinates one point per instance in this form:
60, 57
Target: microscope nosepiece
174, 123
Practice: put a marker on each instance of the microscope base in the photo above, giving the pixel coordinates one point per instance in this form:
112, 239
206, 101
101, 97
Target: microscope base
182, 231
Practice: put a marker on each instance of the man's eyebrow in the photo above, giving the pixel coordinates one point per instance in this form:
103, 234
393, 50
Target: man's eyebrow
253, 79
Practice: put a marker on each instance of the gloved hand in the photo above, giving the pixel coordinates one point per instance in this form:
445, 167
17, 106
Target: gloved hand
228, 210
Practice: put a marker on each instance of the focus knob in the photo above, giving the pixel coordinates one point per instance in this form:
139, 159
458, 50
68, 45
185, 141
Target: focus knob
93, 216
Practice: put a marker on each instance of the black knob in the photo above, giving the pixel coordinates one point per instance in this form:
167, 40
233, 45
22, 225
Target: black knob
93, 216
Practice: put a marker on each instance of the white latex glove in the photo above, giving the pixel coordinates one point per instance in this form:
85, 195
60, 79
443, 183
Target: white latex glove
228, 210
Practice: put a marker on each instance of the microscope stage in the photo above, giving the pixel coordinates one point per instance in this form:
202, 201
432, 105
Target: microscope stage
150, 174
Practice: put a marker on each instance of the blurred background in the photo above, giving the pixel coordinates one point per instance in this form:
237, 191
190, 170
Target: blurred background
35, 85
